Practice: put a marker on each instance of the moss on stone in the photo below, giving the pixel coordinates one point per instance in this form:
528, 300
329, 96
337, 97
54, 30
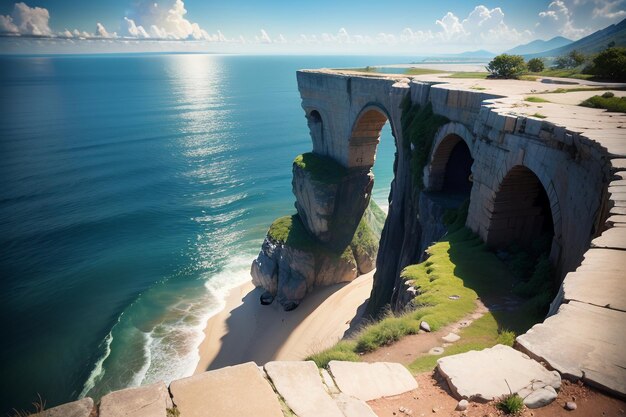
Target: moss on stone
419, 127
321, 168
290, 231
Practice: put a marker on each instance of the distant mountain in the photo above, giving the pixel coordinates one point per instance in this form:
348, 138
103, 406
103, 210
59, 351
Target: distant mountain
591, 44
481, 53
538, 46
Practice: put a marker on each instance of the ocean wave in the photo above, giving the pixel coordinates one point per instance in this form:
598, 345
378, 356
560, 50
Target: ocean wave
141, 349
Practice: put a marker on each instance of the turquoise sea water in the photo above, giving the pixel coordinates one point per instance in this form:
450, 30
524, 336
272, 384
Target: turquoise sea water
134, 191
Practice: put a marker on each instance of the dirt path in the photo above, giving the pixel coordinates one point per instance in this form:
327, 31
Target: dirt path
432, 398
411, 347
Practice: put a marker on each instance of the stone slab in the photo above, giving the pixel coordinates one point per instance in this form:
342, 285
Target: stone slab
331, 387
80, 408
613, 238
353, 407
603, 260
301, 386
601, 287
234, 391
490, 373
369, 381
582, 341
147, 401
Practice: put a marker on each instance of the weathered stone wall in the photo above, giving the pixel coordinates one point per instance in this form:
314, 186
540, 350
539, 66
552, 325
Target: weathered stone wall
572, 169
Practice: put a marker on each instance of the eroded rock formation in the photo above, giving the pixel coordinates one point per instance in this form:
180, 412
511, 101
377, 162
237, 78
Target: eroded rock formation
328, 241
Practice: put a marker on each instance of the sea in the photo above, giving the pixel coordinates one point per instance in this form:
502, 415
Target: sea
135, 191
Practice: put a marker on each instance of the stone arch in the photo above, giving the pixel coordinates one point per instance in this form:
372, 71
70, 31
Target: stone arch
522, 209
365, 136
453, 140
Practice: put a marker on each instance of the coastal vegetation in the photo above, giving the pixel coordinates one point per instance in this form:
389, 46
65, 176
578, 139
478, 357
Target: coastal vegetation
419, 125
533, 99
506, 66
511, 404
459, 269
321, 168
607, 101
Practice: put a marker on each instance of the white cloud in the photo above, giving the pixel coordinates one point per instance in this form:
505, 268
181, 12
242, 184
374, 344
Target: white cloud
164, 19
263, 37
25, 20
483, 26
557, 20
451, 26
103, 33
135, 31
609, 9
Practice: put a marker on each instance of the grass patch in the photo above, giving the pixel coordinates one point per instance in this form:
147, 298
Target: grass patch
533, 99
511, 404
422, 71
527, 77
290, 231
462, 74
539, 115
419, 126
563, 73
476, 87
606, 101
321, 168
172, 412
342, 351
459, 265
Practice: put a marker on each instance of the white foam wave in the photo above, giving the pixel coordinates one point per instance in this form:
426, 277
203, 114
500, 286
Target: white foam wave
98, 371
174, 346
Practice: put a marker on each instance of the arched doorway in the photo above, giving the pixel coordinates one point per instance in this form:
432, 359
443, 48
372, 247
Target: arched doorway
450, 169
521, 210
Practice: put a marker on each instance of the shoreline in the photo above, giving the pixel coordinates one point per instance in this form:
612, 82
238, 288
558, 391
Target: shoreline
246, 331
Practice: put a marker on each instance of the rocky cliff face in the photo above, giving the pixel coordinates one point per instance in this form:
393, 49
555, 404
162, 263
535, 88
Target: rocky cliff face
328, 241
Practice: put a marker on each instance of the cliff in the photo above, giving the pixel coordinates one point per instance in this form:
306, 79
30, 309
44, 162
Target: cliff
333, 237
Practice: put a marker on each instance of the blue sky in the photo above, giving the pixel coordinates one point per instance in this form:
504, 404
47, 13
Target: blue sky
282, 26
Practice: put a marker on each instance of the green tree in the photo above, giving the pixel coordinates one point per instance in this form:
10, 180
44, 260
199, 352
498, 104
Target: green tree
506, 66
535, 65
610, 64
572, 60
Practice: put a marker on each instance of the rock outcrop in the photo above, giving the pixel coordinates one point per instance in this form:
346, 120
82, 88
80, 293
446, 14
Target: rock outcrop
317, 246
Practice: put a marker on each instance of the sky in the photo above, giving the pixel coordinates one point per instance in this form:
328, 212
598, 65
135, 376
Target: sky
295, 26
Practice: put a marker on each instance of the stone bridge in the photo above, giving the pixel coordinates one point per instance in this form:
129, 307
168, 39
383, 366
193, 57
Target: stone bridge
530, 169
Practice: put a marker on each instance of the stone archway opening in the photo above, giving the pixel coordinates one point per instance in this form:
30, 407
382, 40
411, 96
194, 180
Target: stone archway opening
450, 169
365, 138
521, 211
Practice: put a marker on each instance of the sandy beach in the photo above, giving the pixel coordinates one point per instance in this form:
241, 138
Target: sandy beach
248, 331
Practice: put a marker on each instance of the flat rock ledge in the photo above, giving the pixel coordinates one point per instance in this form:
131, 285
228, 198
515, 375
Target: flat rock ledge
488, 374
368, 381
234, 391
80, 408
300, 384
147, 401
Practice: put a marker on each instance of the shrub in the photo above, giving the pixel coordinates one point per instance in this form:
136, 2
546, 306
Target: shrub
535, 65
571, 60
510, 404
610, 64
608, 94
506, 66
615, 104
